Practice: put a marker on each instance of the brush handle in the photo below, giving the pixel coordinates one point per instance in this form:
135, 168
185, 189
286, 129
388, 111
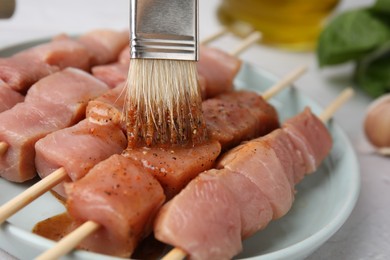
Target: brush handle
7, 8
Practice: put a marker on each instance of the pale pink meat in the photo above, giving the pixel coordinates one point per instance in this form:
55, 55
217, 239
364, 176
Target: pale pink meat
203, 220
61, 53
219, 70
269, 164
20, 73
255, 209
28, 66
8, 97
124, 56
290, 157
310, 136
77, 149
258, 161
111, 74
70, 87
104, 45
123, 199
62, 104
174, 167
20, 127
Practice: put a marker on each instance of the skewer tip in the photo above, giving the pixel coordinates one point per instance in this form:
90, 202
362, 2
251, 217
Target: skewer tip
342, 98
3, 148
175, 254
251, 39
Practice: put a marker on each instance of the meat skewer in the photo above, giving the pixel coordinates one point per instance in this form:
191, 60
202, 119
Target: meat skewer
31, 193
55, 102
19, 202
229, 164
25, 68
94, 226
214, 36
248, 41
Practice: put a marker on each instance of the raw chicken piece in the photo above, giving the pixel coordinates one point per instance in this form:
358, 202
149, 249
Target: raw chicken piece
104, 45
61, 105
203, 220
8, 97
27, 67
238, 116
71, 87
219, 70
77, 149
120, 196
112, 74
310, 136
20, 127
174, 167
258, 162
255, 209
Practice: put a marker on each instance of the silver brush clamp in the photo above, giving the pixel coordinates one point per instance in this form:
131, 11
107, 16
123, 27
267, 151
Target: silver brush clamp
164, 29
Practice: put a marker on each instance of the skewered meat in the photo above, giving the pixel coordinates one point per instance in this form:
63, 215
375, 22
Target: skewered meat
122, 198
104, 46
98, 137
42, 113
238, 116
174, 167
77, 149
218, 69
255, 209
204, 211
111, 74
228, 122
25, 68
263, 165
8, 97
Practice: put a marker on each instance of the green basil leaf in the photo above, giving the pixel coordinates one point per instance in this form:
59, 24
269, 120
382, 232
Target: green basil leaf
382, 6
350, 36
373, 72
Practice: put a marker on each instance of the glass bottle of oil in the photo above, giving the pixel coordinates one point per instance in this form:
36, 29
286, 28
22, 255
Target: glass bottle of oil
291, 24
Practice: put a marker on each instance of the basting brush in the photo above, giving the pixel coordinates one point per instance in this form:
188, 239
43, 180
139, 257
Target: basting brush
163, 98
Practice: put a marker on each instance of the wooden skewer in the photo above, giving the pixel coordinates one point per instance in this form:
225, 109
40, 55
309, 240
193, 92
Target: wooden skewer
385, 151
81, 233
214, 36
284, 82
247, 42
175, 254
3, 148
30, 194
69, 242
336, 104
179, 254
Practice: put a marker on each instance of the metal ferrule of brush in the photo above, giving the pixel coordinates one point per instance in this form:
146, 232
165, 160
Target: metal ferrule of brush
164, 29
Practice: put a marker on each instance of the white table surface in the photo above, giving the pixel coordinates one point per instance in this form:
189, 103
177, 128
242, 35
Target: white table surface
366, 234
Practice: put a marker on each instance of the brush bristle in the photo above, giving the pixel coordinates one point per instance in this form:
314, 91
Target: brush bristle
163, 103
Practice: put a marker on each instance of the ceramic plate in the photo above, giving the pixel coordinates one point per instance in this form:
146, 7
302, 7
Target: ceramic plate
324, 200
